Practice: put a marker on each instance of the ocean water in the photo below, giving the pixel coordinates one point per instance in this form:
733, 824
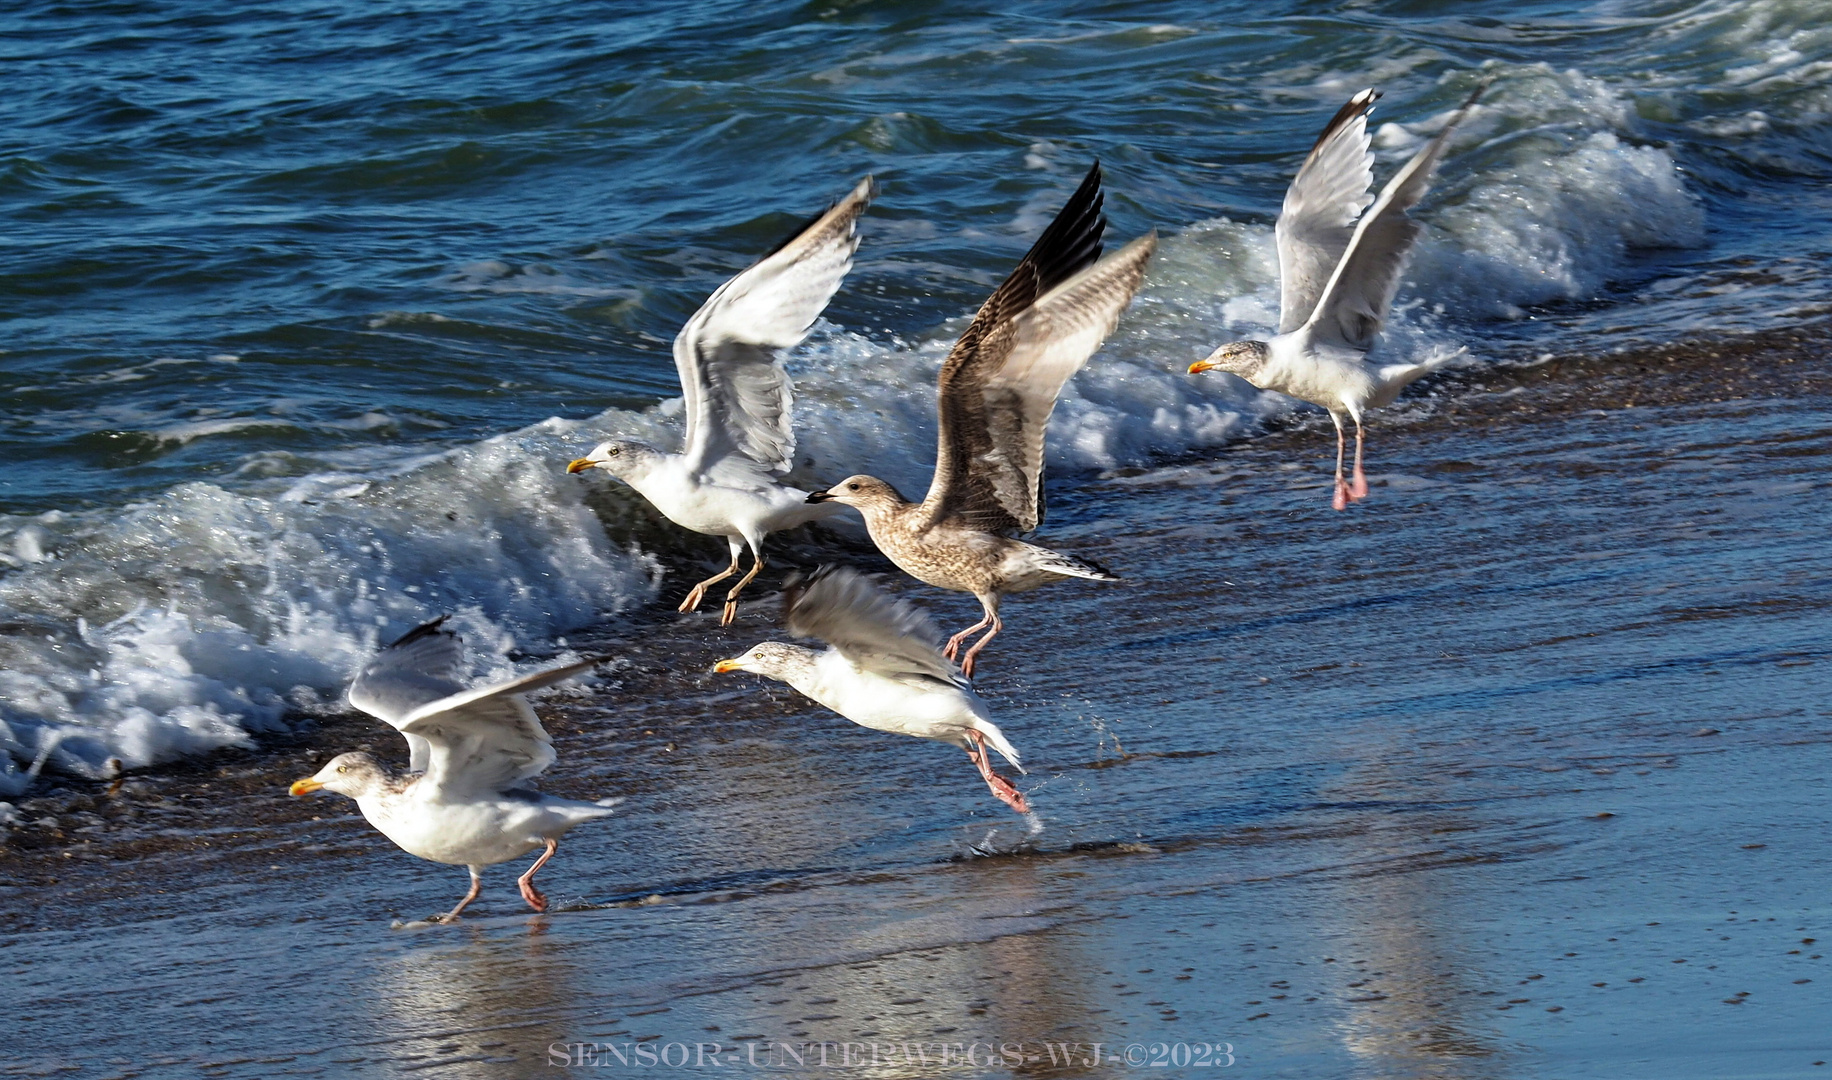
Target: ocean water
306, 306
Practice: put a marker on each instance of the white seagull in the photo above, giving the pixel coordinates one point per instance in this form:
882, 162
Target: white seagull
471, 750
1337, 277
738, 397
883, 669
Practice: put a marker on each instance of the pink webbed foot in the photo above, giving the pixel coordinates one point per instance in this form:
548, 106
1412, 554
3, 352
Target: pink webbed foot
1002, 789
1007, 794
1358, 489
1341, 501
536, 899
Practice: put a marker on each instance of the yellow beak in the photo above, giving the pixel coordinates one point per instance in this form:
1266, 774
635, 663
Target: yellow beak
1200, 366
304, 787
580, 465
724, 667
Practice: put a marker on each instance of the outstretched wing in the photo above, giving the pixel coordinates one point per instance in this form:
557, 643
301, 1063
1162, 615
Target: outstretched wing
487, 740
999, 384
876, 633
424, 665
1355, 302
1318, 218
737, 394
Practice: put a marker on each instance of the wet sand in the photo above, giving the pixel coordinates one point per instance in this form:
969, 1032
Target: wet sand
1517, 769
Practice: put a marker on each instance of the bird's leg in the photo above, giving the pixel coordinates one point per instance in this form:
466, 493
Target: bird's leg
1002, 788
476, 887
731, 598
699, 591
526, 881
953, 648
998, 624
1358, 488
1341, 500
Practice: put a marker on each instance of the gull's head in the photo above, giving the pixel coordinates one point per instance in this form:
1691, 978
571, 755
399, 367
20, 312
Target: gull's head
1243, 358
865, 493
354, 774
771, 659
619, 457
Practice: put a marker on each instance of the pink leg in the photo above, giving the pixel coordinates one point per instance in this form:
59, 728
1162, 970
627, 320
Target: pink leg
731, 598
526, 881
997, 625
1341, 500
699, 591
452, 915
1002, 788
1359, 488
953, 648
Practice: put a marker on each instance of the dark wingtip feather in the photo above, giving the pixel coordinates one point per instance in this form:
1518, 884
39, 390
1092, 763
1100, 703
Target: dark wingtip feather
1359, 105
425, 629
870, 194
1072, 242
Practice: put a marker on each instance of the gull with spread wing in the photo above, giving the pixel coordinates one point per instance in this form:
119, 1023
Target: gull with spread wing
883, 669
471, 752
998, 387
1338, 270
740, 440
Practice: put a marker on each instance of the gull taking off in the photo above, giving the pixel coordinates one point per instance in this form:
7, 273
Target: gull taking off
883, 669
471, 751
1337, 277
998, 388
739, 437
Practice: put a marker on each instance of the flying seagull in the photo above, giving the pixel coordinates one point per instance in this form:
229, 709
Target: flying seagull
883, 669
471, 750
740, 440
997, 390
1337, 277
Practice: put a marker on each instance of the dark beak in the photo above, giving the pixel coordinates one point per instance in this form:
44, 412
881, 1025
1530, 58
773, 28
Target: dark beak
820, 497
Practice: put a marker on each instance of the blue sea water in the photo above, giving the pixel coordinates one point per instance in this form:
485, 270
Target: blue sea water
303, 307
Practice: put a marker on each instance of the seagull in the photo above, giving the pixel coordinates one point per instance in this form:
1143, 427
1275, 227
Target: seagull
997, 389
470, 752
724, 482
1337, 277
883, 669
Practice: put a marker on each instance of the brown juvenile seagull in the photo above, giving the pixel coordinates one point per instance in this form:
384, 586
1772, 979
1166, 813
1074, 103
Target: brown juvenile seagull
998, 388
472, 752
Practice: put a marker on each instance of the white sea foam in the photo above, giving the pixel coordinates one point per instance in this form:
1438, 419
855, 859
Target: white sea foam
202, 618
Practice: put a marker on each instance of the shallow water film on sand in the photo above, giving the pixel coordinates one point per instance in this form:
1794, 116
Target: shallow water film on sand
1515, 769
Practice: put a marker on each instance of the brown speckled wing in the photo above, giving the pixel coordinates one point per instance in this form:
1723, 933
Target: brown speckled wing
980, 468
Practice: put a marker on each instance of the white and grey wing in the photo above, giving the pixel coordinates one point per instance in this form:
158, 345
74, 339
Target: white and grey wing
738, 396
487, 740
871, 629
424, 665
1354, 304
1317, 220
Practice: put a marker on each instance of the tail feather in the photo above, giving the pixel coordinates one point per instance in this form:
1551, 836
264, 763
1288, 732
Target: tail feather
997, 740
1072, 565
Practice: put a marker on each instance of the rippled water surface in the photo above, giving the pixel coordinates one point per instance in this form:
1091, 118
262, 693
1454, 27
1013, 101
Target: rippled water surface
1515, 770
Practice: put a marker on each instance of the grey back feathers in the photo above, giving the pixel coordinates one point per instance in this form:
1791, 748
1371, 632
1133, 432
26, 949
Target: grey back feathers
738, 397
872, 630
423, 665
1000, 382
467, 742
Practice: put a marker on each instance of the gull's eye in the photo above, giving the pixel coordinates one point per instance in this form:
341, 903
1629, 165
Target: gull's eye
613, 451
343, 768
852, 487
